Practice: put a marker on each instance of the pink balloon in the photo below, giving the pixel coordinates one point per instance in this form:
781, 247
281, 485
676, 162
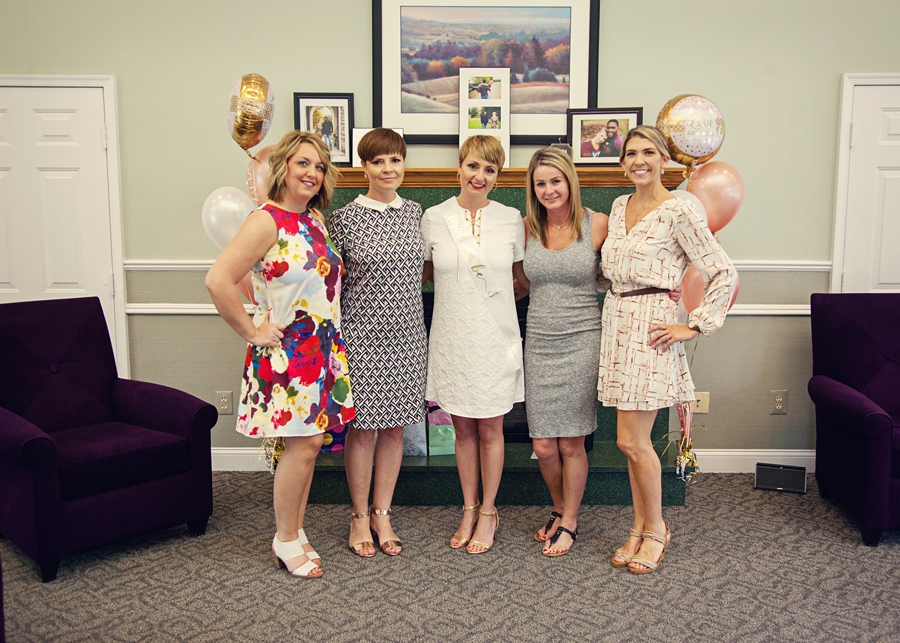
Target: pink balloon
258, 175
691, 289
721, 190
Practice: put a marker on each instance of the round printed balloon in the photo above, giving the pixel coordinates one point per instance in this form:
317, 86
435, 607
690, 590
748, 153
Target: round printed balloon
250, 111
693, 127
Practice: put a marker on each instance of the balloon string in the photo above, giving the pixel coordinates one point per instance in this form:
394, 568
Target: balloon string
686, 173
251, 156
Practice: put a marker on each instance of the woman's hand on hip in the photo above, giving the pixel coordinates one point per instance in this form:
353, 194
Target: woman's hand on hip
267, 334
664, 335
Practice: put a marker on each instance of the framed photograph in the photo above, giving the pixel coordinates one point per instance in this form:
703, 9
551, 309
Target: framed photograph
484, 104
596, 135
550, 46
330, 116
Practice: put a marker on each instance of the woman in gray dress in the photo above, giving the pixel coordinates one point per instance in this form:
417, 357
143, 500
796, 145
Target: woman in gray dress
378, 236
562, 345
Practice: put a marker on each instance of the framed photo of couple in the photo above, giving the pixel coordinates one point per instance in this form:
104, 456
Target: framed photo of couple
596, 135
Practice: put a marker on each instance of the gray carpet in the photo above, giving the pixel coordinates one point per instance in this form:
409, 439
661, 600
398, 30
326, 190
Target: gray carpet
744, 565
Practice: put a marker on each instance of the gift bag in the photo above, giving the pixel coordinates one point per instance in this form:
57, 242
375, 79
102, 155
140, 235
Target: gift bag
415, 439
441, 435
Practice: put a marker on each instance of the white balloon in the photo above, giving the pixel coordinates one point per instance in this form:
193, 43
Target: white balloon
694, 200
223, 214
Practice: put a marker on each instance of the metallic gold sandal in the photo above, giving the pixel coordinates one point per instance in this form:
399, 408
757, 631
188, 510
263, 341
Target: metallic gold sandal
476, 543
357, 548
387, 544
460, 541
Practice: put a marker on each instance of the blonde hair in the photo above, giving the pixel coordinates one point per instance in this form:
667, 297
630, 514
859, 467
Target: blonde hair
535, 212
278, 167
487, 147
649, 133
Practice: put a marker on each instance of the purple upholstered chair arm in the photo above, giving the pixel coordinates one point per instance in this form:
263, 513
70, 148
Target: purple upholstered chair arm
24, 443
161, 408
836, 399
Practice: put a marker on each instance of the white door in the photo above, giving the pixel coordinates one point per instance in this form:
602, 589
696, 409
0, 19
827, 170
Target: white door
55, 232
871, 261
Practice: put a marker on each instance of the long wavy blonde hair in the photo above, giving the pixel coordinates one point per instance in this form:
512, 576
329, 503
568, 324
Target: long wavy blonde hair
535, 212
278, 167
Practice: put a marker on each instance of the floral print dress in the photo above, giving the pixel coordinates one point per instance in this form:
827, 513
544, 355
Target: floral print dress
301, 387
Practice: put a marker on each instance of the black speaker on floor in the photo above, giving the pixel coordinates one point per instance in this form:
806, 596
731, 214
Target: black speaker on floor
780, 477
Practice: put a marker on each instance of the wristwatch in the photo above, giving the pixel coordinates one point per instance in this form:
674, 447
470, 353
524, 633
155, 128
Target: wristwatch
694, 327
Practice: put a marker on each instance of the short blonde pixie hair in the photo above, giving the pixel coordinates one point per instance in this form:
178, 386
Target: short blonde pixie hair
380, 141
487, 147
649, 133
278, 167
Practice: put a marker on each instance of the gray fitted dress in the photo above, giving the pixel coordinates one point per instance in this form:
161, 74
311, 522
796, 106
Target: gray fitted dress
562, 340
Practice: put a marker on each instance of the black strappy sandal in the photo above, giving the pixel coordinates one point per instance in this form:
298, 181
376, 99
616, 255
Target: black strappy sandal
559, 532
553, 516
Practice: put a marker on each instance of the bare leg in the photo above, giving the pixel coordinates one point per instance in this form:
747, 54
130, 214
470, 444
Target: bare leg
304, 498
467, 461
550, 464
388, 457
292, 476
491, 451
574, 478
358, 458
645, 472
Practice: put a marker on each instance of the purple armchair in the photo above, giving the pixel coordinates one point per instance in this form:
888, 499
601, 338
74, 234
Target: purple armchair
88, 459
856, 390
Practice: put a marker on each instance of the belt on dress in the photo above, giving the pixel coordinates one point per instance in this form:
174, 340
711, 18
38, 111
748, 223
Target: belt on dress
641, 291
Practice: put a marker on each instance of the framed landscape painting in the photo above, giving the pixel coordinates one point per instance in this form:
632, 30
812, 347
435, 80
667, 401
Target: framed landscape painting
550, 46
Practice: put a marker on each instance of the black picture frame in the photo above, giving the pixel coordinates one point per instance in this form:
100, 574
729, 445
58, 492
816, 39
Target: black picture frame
338, 108
413, 135
582, 123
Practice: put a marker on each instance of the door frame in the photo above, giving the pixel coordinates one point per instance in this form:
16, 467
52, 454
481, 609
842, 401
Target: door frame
111, 122
842, 181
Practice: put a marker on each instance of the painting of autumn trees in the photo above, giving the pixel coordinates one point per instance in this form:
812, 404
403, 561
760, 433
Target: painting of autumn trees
534, 42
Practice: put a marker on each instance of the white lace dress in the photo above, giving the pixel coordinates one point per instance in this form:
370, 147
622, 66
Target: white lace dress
466, 346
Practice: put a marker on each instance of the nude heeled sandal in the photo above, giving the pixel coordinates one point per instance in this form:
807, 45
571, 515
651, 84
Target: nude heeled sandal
622, 553
387, 544
649, 565
460, 541
357, 548
293, 549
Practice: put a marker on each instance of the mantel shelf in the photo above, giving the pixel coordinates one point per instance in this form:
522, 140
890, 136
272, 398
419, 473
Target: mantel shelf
588, 177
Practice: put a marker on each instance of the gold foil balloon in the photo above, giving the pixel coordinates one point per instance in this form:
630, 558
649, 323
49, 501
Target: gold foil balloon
250, 111
693, 127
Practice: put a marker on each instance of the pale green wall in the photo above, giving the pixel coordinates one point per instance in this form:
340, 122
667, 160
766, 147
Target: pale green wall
772, 66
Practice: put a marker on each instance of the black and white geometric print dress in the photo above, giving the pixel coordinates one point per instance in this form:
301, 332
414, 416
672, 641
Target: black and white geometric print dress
381, 309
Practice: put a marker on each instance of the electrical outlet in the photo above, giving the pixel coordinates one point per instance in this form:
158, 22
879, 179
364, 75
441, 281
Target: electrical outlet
778, 402
701, 403
224, 402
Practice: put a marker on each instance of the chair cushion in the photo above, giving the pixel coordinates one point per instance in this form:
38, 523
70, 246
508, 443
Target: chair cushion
111, 455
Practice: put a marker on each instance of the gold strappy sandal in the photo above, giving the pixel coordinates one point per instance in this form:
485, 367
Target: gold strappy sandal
460, 541
622, 553
387, 544
357, 548
476, 543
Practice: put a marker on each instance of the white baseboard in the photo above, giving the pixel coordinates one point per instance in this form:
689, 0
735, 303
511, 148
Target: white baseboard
710, 460
744, 460
238, 459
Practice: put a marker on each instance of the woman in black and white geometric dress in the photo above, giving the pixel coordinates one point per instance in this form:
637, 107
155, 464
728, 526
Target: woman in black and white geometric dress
378, 235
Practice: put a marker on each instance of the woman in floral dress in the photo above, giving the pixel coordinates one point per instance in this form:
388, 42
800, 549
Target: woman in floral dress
295, 374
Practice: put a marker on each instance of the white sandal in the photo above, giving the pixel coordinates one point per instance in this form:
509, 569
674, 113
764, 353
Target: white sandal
293, 549
313, 556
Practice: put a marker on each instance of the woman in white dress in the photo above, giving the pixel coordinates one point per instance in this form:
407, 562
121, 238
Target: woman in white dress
473, 249
653, 236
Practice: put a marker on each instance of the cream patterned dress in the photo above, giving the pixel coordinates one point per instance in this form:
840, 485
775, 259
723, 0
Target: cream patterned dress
656, 253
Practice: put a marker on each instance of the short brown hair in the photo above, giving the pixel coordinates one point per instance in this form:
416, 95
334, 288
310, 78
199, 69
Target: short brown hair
380, 140
649, 133
278, 167
487, 147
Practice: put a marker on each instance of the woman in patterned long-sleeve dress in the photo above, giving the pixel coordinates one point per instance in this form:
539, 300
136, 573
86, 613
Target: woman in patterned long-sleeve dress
653, 236
379, 237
